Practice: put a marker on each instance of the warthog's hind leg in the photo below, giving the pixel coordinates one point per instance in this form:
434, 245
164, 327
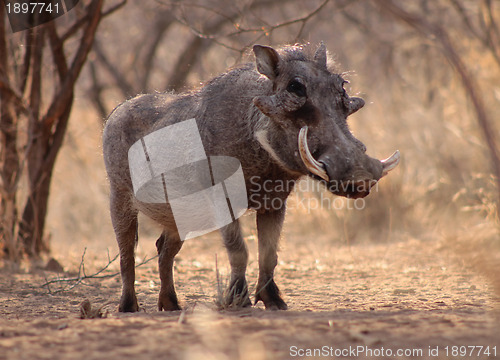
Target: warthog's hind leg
168, 245
269, 228
124, 219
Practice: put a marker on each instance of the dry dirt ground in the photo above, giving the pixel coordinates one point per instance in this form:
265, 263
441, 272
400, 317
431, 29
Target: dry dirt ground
345, 301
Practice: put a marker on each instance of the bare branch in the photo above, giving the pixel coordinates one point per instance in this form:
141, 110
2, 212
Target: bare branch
199, 44
465, 19
27, 60
126, 88
56, 46
78, 24
69, 283
66, 92
36, 65
11, 92
113, 9
182, 4
74, 28
96, 91
492, 40
163, 23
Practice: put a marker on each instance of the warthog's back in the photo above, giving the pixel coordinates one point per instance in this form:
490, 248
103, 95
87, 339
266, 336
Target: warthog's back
221, 109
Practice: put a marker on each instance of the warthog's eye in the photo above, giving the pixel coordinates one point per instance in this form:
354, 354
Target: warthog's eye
296, 87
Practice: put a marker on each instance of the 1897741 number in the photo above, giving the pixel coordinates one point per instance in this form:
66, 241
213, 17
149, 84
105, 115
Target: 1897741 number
470, 351
32, 8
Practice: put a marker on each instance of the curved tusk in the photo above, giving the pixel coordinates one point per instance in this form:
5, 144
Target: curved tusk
309, 161
390, 163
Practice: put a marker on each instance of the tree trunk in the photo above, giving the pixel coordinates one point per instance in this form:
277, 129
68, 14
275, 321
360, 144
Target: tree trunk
9, 165
21, 106
50, 132
32, 225
9, 157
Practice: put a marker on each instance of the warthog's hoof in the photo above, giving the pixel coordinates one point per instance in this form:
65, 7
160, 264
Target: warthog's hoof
128, 304
168, 302
270, 296
232, 300
235, 296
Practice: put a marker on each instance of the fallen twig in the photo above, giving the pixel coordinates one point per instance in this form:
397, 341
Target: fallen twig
69, 283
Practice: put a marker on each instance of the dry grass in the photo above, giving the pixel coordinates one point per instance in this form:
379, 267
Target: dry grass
226, 297
87, 311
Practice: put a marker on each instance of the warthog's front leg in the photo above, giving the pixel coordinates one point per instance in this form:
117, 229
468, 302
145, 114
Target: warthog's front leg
168, 245
237, 293
269, 228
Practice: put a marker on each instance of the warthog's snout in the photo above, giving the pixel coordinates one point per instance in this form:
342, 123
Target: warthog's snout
353, 181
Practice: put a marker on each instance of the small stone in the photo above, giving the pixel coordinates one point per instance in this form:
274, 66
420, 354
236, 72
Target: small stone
54, 266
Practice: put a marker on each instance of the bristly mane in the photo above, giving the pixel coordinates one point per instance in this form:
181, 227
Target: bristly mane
305, 52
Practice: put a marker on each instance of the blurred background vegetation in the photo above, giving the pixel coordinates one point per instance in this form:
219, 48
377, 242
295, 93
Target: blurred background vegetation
428, 70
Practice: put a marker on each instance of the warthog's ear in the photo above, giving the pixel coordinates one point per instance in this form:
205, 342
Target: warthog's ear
355, 104
267, 60
320, 56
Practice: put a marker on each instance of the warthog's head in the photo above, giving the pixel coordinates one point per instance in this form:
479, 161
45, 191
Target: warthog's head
308, 132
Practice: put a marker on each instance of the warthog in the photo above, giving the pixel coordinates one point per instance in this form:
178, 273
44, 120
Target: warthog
283, 118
